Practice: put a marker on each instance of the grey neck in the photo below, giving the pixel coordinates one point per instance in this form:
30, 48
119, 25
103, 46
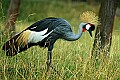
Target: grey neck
72, 37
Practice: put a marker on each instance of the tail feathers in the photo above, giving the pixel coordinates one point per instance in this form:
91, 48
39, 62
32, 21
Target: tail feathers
12, 47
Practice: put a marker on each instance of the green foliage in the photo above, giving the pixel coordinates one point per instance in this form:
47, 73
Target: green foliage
34, 10
72, 59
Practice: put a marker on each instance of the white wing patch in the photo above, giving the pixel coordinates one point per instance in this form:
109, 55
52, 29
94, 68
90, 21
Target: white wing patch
34, 27
35, 37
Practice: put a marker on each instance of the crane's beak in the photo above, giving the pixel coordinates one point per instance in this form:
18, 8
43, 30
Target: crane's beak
90, 32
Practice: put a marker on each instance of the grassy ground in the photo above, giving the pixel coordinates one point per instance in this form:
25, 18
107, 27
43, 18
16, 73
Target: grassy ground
72, 59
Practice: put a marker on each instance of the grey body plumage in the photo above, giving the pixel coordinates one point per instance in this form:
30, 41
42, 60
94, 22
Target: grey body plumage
61, 30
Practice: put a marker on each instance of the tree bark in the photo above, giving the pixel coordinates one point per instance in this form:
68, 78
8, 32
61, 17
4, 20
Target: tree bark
13, 12
103, 35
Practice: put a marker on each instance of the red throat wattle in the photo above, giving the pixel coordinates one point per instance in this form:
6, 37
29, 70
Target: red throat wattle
90, 24
83, 29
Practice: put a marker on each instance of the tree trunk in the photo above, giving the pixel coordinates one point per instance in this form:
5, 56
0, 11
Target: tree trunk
103, 36
13, 12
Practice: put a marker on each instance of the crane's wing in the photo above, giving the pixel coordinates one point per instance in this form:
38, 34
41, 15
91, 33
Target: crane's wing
28, 36
21, 41
41, 25
33, 34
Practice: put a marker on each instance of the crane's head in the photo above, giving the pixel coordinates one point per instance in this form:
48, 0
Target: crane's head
89, 27
90, 20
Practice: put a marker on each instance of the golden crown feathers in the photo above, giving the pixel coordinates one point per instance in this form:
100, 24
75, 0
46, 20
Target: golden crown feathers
90, 17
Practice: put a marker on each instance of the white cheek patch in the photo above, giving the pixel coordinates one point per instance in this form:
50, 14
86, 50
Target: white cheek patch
88, 26
38, 36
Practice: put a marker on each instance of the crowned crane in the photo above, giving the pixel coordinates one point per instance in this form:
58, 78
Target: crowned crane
45, 32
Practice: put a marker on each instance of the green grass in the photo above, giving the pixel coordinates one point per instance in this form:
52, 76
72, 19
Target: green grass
72, 59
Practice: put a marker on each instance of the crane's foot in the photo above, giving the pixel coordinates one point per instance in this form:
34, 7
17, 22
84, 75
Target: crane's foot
52, 66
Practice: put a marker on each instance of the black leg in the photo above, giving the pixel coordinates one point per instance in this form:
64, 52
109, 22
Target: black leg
49, 60
49, 64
